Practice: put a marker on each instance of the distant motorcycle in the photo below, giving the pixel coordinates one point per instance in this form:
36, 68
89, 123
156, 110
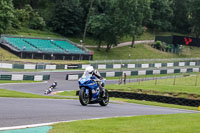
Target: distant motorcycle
53, 86
48, 91
90, 92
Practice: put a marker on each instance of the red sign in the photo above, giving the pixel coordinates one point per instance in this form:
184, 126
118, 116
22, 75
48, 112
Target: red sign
187, 40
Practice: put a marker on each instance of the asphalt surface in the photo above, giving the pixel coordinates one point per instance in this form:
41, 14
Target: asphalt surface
17, 112
39, 88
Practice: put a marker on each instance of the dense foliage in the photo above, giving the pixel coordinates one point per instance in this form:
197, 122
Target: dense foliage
6, 15
105, 20
67, 17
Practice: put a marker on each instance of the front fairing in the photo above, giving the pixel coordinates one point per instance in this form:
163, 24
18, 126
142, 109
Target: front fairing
88, 82
85, 81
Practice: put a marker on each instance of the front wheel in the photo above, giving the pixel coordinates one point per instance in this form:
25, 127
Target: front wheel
105, 100
47, 92
84, 97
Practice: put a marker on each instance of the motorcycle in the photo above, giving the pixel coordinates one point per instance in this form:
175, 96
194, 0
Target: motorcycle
90, 92
48, 91
53, 86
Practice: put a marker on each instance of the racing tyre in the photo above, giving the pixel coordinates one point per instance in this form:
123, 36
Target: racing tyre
83, 97
105, 100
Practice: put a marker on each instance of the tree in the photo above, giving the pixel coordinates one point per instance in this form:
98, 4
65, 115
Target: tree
141, 18
22, 17
6, 15
36, 21
28, 17
87, 20
105, 25
132, 15
67, 18
162, 14
97, 25
181, 18
118, 19
19, 4
195, 17
100, 22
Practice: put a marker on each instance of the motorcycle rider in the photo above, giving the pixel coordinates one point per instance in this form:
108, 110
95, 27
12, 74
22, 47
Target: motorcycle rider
90, 70
53, 85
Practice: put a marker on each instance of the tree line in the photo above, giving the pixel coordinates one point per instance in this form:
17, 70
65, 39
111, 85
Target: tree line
105, 20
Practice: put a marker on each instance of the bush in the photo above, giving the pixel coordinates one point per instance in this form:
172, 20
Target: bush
157, 45
37, 22
27, 17
162, 46
21, 18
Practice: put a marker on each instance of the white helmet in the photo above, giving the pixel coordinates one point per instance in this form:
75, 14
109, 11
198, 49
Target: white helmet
89, 69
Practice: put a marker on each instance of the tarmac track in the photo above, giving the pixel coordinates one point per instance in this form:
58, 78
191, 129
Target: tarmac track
17, 112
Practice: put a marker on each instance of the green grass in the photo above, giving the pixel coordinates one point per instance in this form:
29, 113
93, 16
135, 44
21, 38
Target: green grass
23, 81
15, 94
5, 55
141, 51
149, 76
186, 87
26, 32
175, 123
22, 70
67, 93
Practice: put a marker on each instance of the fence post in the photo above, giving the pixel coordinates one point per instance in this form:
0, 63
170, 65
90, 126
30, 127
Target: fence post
124, 78
138, 80
196, 80
174, 80
156, 81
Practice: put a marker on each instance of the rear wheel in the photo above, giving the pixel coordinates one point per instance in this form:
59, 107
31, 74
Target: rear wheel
83, 97
105, 100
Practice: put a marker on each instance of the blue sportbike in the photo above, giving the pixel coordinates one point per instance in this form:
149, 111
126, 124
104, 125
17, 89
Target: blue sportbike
90, 92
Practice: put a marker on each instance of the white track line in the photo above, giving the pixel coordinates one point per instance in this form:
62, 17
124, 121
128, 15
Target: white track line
25, 83
51, 123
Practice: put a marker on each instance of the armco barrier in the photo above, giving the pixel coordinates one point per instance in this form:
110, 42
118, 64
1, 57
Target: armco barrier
138, 72
100, 66
154, 98
20, 77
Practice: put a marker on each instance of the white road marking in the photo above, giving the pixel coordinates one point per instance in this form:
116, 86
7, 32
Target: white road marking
51, 123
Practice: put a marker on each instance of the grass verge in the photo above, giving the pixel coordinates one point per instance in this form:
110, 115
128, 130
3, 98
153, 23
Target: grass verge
149, 76
141, 51
184, 87
67, 93
174, 123
23, 81
15, 94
